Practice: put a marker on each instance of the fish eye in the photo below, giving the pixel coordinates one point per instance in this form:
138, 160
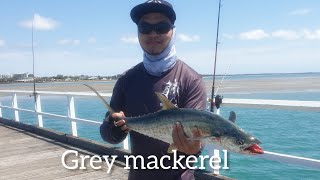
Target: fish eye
217, 134
240, 142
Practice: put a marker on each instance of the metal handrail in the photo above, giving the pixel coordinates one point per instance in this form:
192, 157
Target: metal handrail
37, 110
55, 93
274, 104
87, 121
256, 103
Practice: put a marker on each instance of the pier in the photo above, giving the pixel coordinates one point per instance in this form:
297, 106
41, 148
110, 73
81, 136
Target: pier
30, 152
27, 155
33, 151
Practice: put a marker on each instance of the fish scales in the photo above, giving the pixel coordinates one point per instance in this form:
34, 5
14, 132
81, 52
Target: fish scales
160, 124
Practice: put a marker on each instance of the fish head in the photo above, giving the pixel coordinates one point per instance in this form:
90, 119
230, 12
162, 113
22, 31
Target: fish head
236, 140
242, 145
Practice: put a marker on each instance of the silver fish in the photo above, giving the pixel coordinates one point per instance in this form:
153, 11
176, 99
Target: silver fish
214, 128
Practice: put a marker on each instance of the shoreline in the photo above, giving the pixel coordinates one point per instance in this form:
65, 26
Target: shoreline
228, 85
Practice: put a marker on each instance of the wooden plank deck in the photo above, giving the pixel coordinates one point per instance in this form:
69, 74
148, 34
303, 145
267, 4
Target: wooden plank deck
31, 152
28, 156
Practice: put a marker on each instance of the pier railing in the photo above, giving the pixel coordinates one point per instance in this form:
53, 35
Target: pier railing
38, 110
71, 117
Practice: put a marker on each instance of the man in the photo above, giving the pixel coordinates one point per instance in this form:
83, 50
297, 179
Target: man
160, 71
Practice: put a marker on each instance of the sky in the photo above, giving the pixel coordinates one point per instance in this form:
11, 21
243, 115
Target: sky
98, 37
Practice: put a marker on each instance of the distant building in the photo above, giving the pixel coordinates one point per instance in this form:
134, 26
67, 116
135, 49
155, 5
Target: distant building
83, 77
21, 76
5, 76
93, 78
24, 80
68, 79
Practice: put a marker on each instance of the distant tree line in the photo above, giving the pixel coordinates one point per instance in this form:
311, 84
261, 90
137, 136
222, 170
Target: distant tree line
58, 77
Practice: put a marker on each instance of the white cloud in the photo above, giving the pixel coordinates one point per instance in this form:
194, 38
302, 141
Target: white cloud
228, 36
106, 48
256, 34
287, 57
69, 42
26, 45
40, 23
130, 39
300, 12
92, 40
312, 35
2, 43
286, 34
48, 62
188, 38
258, 59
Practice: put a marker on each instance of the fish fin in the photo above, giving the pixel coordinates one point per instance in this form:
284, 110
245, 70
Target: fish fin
166, 104
171, 148
232, 116
101, 98
200, 138
195, 138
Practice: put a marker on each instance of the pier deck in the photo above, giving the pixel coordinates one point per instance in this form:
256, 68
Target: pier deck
28, 156
30, 152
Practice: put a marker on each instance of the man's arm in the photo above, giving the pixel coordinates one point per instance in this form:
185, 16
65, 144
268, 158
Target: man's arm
111, 131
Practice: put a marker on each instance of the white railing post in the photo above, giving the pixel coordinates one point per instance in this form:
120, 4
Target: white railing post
72, 114
126, 143
216, 163
15, 105
37, 108
0, 110
217, 111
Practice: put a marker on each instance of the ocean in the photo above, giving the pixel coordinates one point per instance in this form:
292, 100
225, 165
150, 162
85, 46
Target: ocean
290, 132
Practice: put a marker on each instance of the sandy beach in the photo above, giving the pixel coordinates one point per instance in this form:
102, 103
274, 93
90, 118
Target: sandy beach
268, 85
228, 85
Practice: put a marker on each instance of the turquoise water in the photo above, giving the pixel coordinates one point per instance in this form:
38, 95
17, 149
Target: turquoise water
282, 131
301, 96
265, 76
288, 132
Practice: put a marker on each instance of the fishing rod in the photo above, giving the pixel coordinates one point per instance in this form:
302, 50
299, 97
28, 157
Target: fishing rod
34, 80
215, 61
222, 79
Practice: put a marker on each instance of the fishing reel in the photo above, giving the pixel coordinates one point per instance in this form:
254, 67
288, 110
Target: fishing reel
216, 102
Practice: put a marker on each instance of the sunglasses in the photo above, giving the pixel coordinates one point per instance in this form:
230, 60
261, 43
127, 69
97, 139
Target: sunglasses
159, 28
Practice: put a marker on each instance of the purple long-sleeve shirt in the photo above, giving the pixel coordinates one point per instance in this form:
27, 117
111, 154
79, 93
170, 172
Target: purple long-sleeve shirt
134, 95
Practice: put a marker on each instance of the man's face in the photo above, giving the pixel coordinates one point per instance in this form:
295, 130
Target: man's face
154, 43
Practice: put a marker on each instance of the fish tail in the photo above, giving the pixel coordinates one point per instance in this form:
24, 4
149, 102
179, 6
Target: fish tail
101, 98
